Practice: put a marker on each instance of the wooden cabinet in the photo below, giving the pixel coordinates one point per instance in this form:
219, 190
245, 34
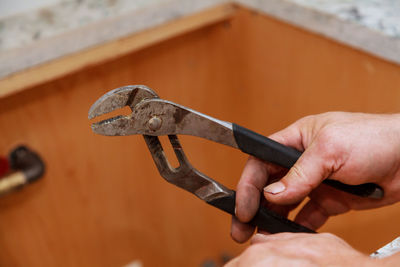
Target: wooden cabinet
102, 201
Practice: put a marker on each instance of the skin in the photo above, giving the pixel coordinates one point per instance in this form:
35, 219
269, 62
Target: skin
353, 148
286, 249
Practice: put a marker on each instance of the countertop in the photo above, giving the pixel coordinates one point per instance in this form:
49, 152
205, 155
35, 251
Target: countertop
34, 38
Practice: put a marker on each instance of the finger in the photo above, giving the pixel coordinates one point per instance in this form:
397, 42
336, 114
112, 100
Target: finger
290, 136
241, 232
282, 210
307, 173
254, 178
324, 202
312, 215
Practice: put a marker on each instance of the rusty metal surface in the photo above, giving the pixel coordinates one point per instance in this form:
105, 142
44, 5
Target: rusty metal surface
185, 175
153, 116
118, 98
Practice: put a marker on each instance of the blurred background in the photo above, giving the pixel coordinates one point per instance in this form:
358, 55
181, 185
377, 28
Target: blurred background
261, 64
9, 8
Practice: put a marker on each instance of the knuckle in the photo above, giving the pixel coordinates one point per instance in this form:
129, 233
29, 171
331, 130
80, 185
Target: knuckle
246, 189
247, 193
284, 235
329, 236
297, 171
298, 175
245, 183
306, 119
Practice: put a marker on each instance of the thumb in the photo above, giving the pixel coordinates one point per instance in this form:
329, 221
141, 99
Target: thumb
306, 174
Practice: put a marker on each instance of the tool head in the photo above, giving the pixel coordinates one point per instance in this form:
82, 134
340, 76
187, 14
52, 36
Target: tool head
116, 99
154, 116
140, 99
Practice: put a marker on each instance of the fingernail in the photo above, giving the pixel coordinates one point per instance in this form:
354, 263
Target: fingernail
275, 188
235, 211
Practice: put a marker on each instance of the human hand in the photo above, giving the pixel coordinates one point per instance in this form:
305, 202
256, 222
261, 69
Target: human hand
290, 249
353, 148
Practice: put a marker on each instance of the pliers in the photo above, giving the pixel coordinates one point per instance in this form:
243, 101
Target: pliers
153, 117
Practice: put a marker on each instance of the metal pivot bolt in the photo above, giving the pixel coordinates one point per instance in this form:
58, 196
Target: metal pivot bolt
154, 123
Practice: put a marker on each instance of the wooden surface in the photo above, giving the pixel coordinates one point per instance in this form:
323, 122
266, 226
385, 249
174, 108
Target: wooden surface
102, 201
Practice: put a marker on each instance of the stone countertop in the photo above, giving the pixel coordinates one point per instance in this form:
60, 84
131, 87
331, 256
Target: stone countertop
33, 38
379, 15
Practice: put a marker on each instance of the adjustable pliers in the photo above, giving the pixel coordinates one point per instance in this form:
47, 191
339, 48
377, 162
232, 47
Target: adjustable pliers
152, 117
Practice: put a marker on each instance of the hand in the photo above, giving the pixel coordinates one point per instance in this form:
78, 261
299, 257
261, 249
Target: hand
288, 249
353, 148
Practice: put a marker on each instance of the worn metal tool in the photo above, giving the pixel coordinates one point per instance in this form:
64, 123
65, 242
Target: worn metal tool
152, 117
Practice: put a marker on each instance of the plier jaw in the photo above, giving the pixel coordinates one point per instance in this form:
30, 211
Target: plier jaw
116, 99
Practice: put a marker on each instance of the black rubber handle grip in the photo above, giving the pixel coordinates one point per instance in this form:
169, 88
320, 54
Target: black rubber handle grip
265, 219
267, 149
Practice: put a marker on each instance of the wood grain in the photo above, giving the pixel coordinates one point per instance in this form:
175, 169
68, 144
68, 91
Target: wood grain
102, 201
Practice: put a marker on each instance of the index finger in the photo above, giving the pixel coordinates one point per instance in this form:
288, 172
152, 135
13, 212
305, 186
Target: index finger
250, 186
